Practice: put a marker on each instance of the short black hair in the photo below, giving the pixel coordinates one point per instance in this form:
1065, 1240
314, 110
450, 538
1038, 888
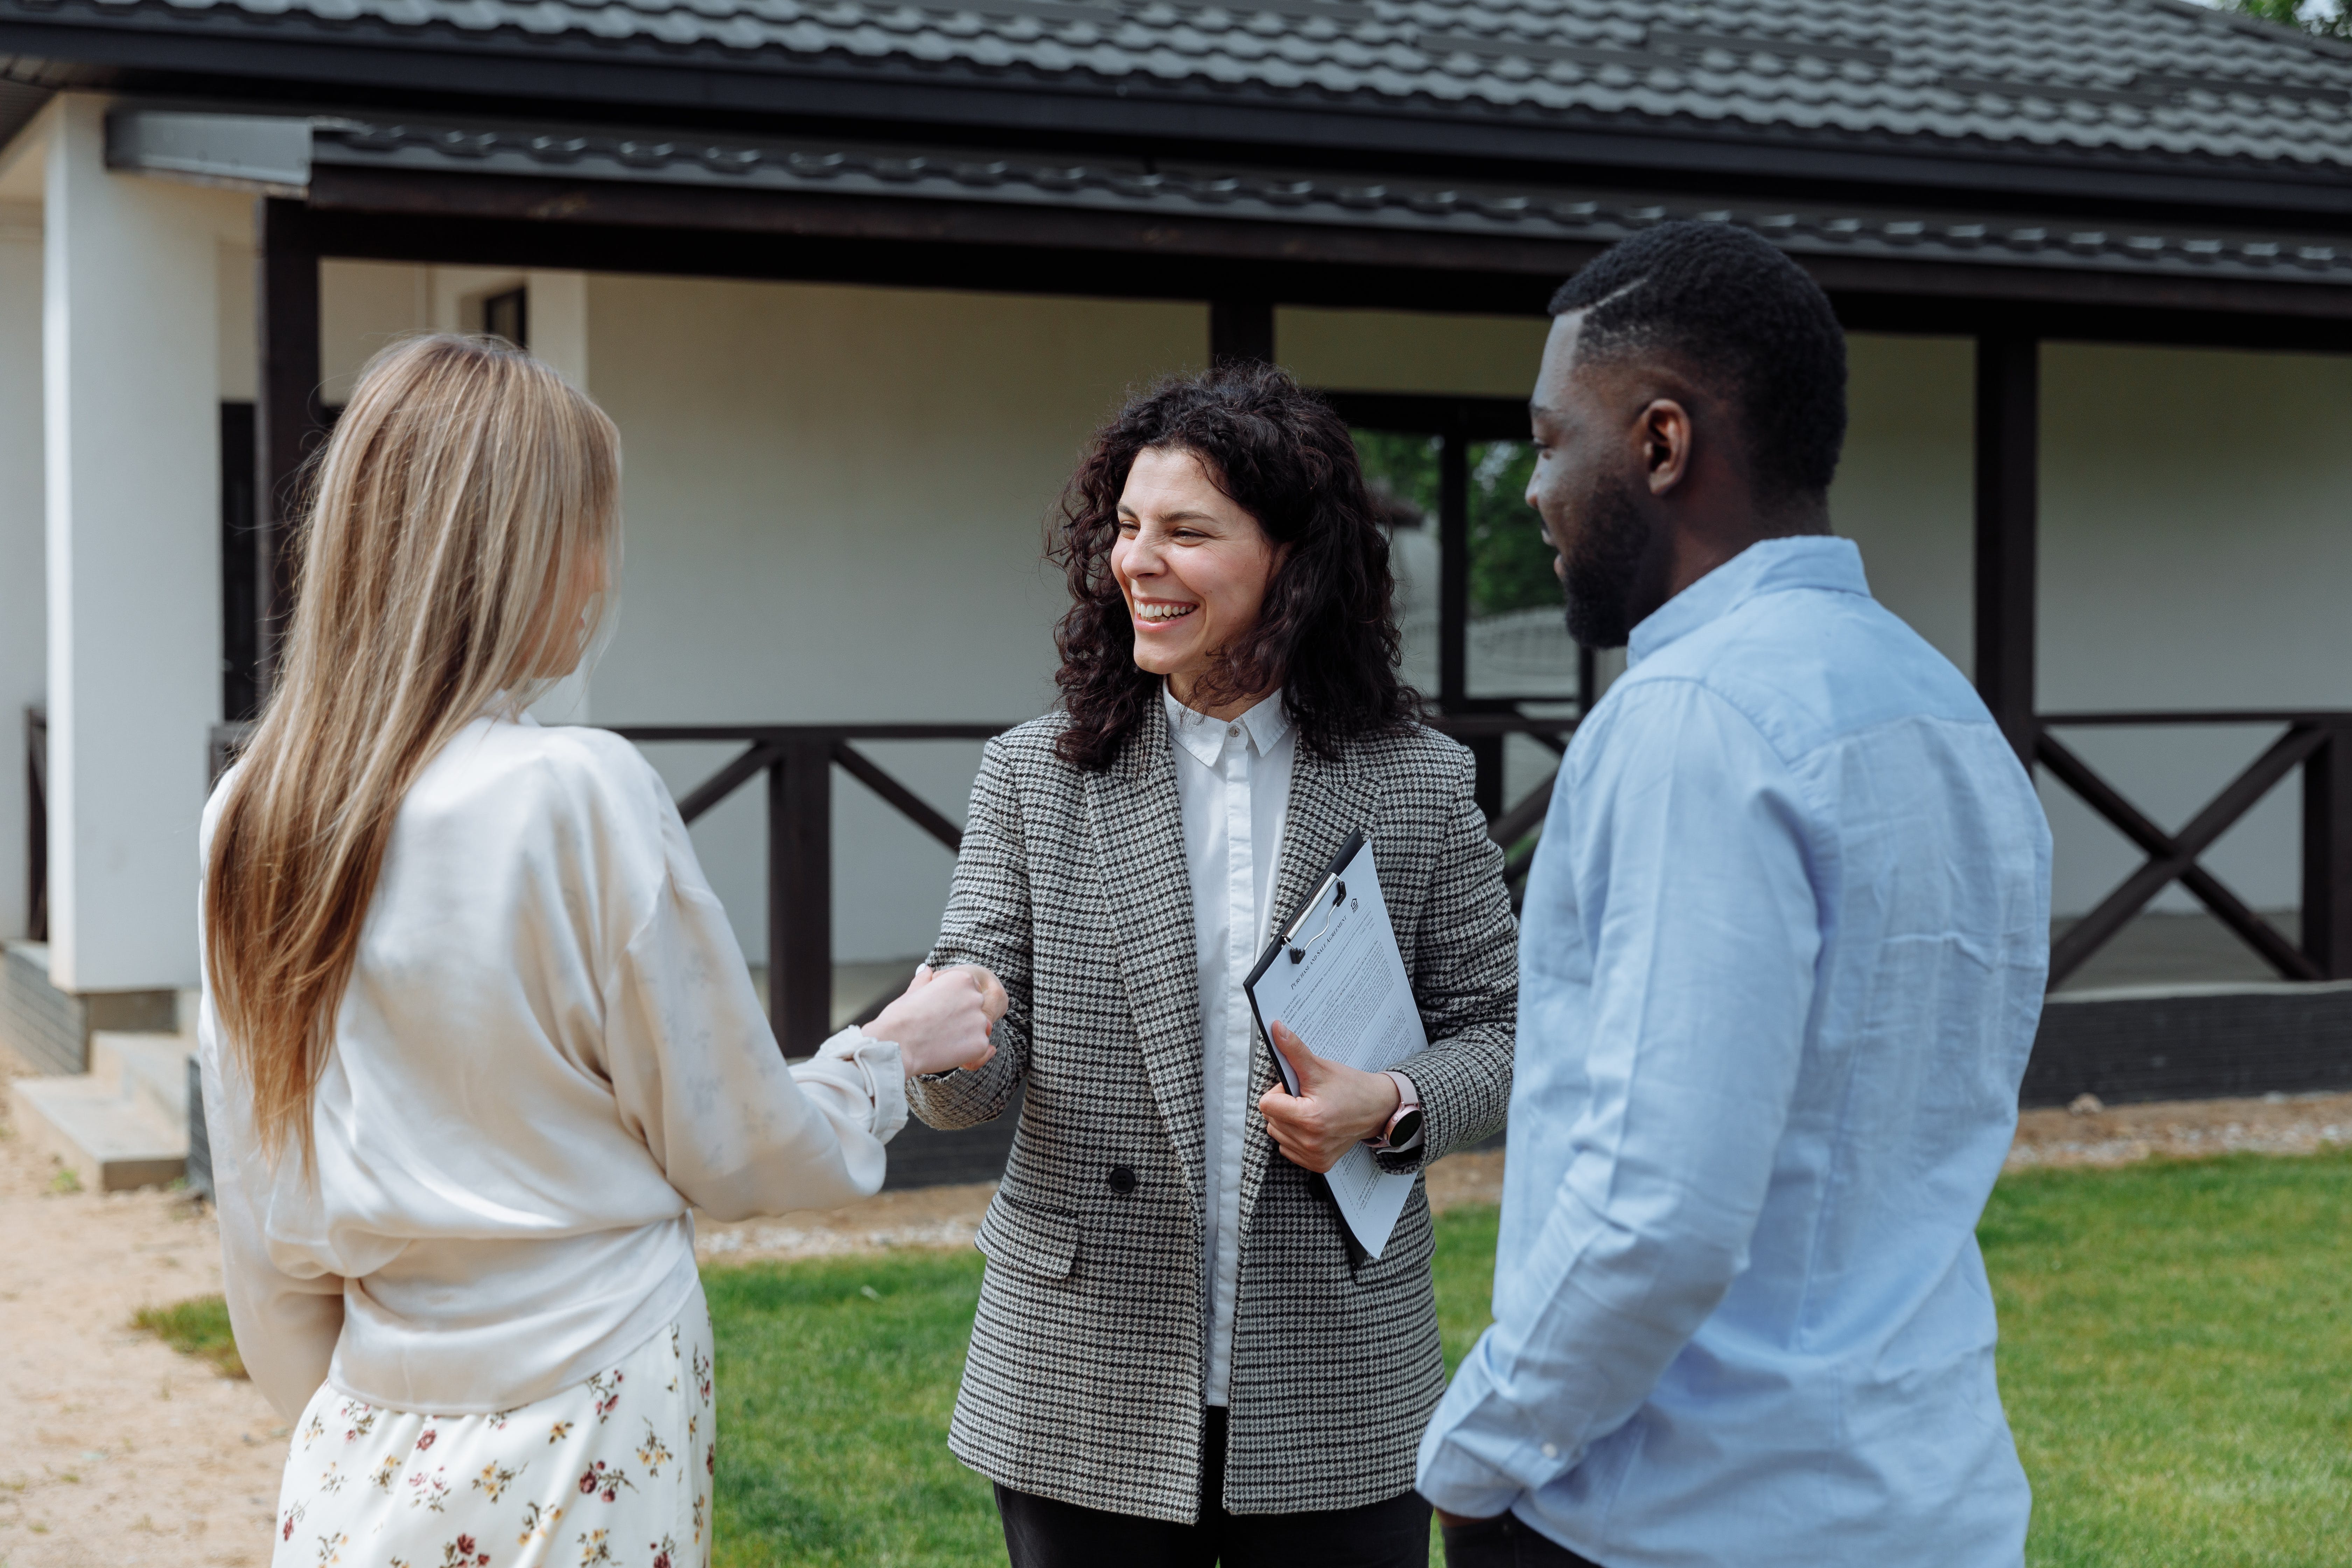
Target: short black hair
1743, 319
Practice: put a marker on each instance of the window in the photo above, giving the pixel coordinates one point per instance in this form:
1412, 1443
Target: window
507, 315
1485, 630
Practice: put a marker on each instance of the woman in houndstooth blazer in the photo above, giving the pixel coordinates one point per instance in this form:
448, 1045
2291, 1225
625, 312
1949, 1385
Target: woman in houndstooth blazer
1178, 1355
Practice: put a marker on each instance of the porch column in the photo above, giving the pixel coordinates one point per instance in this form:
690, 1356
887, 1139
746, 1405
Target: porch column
2327, 856
23, 679
131, 410
1241, 329
287, 417
2008, 440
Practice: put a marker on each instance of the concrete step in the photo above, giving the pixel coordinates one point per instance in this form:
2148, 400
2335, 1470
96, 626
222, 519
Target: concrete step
110, 1134
149, 1068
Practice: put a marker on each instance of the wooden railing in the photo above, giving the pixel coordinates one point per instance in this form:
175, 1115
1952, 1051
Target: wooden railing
798, 760
2320, 743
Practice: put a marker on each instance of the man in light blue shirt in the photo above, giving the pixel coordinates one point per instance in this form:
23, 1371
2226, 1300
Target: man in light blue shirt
1780, 967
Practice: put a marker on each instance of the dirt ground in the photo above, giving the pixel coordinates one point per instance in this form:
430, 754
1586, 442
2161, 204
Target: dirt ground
116, 1452
2092, 1134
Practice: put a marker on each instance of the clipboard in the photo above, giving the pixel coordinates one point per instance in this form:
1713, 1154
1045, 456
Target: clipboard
1335, 975
1279, 946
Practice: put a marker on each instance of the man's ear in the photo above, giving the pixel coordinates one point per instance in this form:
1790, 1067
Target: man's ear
1665, 435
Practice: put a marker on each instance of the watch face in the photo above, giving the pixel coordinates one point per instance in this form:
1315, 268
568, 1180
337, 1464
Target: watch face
1406, 1128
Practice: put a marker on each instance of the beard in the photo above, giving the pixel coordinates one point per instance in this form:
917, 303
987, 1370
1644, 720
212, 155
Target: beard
1605, 566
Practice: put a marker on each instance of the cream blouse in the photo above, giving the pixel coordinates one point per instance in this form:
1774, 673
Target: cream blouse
549, 1049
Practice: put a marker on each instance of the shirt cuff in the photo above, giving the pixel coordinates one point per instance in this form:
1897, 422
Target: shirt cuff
878, 1063
1481, 1453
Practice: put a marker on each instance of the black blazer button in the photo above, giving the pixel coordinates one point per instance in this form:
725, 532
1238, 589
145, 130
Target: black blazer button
1122, 1180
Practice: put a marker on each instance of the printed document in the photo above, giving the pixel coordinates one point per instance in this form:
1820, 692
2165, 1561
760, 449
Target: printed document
1336, 978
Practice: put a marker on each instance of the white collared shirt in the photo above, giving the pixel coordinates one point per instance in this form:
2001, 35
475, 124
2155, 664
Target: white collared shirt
1233, 785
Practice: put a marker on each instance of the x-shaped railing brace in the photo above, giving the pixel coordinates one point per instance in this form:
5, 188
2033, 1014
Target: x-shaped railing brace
760, 756
2172, 857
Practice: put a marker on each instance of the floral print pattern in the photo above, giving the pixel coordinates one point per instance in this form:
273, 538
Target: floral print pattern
614, 1491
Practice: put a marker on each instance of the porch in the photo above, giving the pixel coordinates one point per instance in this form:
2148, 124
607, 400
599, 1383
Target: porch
638, 261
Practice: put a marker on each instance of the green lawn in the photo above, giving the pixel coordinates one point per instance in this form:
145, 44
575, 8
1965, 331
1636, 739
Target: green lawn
2176, 1358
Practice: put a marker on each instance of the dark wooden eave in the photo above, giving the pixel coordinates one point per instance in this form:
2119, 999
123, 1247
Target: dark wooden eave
602, 226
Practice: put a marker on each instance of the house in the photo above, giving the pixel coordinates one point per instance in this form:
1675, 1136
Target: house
856, 278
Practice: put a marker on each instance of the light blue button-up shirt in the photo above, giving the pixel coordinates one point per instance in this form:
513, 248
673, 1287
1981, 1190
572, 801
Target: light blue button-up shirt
1780, 966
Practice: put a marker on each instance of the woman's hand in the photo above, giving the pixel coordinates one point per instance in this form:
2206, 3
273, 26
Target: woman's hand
941, 1020
992, 990
1336, 1106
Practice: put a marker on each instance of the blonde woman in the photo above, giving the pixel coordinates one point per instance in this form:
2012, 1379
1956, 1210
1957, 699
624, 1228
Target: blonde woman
476, 1035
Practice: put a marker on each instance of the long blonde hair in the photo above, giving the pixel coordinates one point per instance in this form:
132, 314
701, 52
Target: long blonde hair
463, 509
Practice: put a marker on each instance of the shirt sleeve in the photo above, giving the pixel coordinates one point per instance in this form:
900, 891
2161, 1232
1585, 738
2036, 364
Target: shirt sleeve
1692, 879
286, 1324
696, 1073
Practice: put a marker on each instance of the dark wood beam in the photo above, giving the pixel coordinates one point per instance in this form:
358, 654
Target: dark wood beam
288, 419
1241, 330
614, 226
2007, 437
800, 896
2327, 855
1454, 579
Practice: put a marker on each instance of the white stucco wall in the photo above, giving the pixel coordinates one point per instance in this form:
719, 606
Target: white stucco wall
2196, 553
836, 507
24, 658
1401, 351
836, 499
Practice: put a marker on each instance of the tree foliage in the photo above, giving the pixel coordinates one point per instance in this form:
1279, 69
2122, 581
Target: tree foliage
2321, 20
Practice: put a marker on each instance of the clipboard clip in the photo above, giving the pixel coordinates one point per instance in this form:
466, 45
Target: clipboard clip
1297, 949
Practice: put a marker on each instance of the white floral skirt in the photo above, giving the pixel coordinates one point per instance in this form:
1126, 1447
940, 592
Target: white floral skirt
616, 1470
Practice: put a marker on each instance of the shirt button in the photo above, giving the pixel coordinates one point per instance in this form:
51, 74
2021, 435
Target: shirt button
1121, 1180
1551, 1450
1233, 729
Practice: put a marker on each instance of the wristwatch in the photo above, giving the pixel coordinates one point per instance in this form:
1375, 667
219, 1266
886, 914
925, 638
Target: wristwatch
1403, 1129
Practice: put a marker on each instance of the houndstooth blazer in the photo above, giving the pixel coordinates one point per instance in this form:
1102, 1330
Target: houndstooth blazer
1084, 1379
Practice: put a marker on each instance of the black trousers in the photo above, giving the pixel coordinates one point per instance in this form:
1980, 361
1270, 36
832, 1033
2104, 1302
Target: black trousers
1505, 1543
1042, 1533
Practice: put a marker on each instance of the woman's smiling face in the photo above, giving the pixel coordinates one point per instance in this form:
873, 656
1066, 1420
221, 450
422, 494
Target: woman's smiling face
1194, 566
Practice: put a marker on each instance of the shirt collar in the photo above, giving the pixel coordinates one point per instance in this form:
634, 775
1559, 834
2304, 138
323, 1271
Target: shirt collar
1205, 737
1767, 566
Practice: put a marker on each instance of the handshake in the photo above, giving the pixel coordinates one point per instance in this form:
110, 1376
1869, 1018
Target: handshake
941, 1021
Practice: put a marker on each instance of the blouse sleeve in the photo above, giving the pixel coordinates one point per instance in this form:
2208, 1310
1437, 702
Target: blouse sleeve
286, 1324
698, 1075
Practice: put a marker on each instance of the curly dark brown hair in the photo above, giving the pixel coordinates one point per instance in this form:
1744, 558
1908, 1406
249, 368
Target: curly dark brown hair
1326, 631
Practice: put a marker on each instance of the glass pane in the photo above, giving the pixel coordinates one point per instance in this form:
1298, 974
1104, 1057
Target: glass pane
1402, 473
1518, 641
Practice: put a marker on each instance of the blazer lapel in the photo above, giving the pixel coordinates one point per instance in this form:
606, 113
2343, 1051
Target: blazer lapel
1329, 798
1137, 825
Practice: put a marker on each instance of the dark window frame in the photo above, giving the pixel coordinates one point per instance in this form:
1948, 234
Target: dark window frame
1456, 422
495, 305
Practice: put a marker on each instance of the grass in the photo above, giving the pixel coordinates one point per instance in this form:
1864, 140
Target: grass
835, 1380
2175, 1359
197, 1328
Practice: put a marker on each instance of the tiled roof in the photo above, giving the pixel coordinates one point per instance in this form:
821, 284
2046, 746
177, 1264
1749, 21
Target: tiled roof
1319, 197
2159, 79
